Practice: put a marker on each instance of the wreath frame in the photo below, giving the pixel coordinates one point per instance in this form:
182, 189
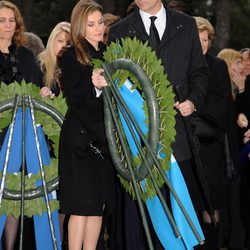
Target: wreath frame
141, 54
51, 127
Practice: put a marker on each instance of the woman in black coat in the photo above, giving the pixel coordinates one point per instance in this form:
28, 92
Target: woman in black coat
214, 112
84, 165
17, 63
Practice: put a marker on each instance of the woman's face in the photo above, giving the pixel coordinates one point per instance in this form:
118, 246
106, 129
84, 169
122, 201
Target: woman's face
94, 28
60, 41
236, 67
149, 6
7, 23
204, 41
246, 62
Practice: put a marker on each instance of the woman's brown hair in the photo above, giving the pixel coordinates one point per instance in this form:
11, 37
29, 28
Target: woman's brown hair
19, 37
79, 18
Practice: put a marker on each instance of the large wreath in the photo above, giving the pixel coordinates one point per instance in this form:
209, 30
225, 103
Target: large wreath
51, 129
142, 55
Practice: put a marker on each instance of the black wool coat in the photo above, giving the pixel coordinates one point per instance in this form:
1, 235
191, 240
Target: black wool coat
182, 58
218, 97
84, 120
86, 177
22, 61
20, 64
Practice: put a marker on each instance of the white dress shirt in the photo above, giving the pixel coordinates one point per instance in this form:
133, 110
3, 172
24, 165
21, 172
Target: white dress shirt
160, 22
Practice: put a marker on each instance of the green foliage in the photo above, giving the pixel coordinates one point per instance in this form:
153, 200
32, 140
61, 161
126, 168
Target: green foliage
51, 129
31, 207
142, 55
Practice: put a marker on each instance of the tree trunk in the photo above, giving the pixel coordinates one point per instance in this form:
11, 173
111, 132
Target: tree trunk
116, 7
25, 7
108, 6
222, 27
26, 10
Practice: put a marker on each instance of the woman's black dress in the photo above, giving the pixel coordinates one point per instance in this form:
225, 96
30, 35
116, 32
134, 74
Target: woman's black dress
86, 177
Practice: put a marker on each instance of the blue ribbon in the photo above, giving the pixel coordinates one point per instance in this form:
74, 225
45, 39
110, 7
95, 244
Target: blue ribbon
41, 223
159, 219
15, 159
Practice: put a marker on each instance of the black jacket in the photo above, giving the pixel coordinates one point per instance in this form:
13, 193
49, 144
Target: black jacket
20, 64
85, 111
216, 105
182, 58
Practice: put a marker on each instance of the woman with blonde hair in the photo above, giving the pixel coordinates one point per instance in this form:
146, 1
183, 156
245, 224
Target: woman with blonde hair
235, 69
59, 38
237, 84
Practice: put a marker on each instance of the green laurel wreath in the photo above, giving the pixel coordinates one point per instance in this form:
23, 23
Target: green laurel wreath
142, 55
51, 129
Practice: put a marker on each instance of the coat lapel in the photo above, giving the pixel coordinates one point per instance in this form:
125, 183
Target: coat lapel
173, 27
137, 28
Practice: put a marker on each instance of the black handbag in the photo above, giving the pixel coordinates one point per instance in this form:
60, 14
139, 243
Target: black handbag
204, 129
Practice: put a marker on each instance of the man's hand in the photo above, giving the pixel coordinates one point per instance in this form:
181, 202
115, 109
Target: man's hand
186, 108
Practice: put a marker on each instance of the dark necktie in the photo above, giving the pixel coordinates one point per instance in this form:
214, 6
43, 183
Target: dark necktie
153, 34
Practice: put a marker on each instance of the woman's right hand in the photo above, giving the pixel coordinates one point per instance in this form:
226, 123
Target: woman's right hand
98, 79
46, 92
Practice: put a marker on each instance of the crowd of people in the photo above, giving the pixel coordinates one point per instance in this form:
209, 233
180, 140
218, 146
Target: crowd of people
212, 103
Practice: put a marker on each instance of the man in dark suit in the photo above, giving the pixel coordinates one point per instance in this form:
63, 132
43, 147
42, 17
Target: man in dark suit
180, 52
181, 55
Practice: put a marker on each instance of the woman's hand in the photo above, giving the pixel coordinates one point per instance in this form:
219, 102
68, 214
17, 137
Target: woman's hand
46, 92
98, 79
242, 121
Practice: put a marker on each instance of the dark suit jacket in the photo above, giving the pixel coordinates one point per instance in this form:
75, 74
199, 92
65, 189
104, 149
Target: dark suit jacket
181, 55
